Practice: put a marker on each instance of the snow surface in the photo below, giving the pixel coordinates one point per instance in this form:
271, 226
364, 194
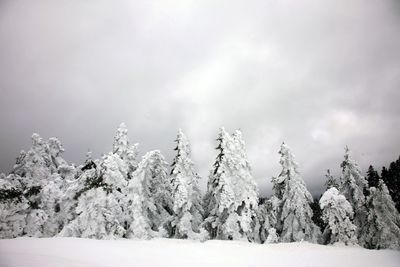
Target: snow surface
73, 252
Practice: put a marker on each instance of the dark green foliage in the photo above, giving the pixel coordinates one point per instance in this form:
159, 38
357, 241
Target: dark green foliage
94, 179
330, 180
372, 178
11, 194
391, 177
317, 214
32, 191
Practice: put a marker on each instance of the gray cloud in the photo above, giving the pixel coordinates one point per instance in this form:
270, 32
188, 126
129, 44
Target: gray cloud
316, 75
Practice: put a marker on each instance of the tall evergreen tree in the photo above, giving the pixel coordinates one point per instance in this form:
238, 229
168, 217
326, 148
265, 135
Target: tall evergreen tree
383, 227
106, 178
232, 198
296, 215
330, 180
150, 203
317, 214
391, 177
266, 218
127, 152
352, 186
188, 211
14, 207
40, 173
246, 191
98, 210
221, 221
372, 177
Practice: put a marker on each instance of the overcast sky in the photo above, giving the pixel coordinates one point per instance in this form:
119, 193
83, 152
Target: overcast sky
318, 75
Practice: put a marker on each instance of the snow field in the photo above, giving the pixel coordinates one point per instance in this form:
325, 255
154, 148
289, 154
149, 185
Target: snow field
74, 252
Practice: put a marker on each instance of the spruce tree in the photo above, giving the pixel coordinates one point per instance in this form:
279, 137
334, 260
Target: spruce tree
352, 186
372, 177
383, 227
107, 178
127, 152
98, 210
14, 207
246, 191
187, 208
330, 180
337, 215
231, 200
40, 173
149, 199
295, 215
219, 199
317, 214
391, 177
266, 218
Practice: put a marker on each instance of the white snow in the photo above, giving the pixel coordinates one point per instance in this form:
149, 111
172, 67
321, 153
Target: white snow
73, 252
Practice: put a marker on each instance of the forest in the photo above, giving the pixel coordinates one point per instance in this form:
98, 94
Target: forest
120, 196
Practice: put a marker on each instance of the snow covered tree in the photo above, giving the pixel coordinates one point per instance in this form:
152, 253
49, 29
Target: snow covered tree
391, 177
267, 218
40, 173
13, 208
128, 153
111, 174
232, 198
383, 227
188, 211
106, 179
97, 211
114, 172
295, 217
337, 214
246, 191
330, 180
150, 204
317, 213
352, 186
77, 182
372, 177
220, 199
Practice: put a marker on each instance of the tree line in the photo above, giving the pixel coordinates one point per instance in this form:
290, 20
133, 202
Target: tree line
118, 196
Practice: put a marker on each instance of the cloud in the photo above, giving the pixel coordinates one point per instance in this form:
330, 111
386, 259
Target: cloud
318, 76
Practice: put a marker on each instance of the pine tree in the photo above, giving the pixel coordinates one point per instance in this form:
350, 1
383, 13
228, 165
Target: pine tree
13, 208
295, 215
149, 199
330, 180
97, 211
383, 227
128, 153
267, 218
246, 191
317, 213
188, 211
77, 182
352, 186
372, 177
391, 177
41, 172
231, 198
337, 215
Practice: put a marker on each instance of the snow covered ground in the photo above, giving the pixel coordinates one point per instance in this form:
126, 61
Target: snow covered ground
72, 252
